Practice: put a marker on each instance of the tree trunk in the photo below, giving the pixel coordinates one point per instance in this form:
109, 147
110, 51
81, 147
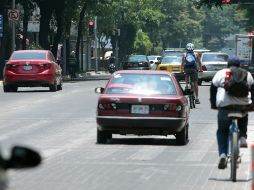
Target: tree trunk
25, 23
59, 9
46, 13
80, 25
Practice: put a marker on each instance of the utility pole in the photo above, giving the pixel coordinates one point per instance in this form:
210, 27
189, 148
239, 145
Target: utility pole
117, 48
96, 43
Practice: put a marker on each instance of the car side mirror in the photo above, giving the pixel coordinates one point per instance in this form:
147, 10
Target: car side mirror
99, 90
22, 157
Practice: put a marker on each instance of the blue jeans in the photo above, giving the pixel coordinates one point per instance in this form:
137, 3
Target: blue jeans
223, 129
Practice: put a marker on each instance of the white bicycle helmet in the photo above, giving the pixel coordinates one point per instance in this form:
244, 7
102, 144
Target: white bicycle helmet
190, 47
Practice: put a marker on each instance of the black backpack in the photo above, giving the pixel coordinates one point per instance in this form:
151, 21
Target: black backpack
236, 83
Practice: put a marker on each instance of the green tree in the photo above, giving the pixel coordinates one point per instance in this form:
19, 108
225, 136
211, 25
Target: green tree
142, 44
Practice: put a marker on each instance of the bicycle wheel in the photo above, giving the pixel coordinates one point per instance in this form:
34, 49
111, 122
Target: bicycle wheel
191, 101
234, 155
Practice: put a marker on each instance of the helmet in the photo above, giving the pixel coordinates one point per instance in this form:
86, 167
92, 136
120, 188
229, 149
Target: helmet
190, 47
233, 61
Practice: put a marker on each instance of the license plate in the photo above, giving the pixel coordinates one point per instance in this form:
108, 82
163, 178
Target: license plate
27, 67
140, 109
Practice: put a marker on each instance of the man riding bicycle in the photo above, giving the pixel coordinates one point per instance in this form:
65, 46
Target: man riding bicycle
190, 68
220, 99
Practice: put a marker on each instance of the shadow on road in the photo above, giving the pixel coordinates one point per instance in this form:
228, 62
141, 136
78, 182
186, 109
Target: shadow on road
228, 179
143, 141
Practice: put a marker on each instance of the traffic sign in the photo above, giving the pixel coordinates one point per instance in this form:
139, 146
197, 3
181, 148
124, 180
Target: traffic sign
1, 24
13, 14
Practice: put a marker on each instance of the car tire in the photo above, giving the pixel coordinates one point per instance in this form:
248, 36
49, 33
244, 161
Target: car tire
199, 82
6, 88
182, 136
60, 87
53, 88
102, 137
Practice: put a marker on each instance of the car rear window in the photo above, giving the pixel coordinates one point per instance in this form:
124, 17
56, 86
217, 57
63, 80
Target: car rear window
28, 55
137, 58
171, 59
147, 84
214, 57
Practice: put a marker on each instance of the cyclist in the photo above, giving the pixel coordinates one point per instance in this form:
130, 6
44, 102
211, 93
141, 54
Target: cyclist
190, 67
222, 101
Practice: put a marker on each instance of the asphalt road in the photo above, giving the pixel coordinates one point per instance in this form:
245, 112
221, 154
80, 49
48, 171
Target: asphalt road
61, 126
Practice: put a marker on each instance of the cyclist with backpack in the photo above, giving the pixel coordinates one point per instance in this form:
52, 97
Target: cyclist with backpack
232, 88
189, 66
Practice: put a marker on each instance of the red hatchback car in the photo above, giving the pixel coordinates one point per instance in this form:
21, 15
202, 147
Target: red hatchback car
142, 102
32, 68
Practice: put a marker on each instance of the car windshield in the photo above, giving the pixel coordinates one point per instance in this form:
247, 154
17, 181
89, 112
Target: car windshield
28, 55
171, 59
137, 58
214, 57
145, 84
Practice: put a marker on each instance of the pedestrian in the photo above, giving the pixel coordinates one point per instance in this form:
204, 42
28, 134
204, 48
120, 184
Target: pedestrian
72, 64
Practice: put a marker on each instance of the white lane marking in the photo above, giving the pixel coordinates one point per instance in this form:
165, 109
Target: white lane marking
147, 153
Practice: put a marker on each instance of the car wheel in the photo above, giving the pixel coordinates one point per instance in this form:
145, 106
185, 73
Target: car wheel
102, 137
14, 88
53, 88
199, 82
59, 87
6, 88
182, 136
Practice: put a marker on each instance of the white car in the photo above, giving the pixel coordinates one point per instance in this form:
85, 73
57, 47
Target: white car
211, 63
153, 59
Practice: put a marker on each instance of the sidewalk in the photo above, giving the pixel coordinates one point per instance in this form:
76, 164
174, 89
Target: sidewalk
91, 75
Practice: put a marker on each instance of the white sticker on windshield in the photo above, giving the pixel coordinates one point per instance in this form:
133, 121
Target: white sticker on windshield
118, 76
166, 78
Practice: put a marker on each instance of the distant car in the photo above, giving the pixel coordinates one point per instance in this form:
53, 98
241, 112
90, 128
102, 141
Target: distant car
136, 62
142, 103
32, 68
211, 63
154, 60
172, 64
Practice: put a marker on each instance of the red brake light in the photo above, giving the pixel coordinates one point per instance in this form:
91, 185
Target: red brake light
129, 64
107, 106
10, 66
45, 66
227, 74
172, 107
204, 68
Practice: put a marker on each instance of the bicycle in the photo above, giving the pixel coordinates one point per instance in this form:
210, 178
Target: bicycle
234, 143
190, 87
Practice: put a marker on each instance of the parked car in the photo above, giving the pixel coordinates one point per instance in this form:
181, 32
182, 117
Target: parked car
142, 103
154, 60
136, 62
32, 68
172, 64
20, 157
211, 63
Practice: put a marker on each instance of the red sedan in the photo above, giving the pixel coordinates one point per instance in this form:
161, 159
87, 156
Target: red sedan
142, 102
32, 68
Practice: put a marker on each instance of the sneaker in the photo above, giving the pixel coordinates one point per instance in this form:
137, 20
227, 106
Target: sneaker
243, 142
222, 162
197, 101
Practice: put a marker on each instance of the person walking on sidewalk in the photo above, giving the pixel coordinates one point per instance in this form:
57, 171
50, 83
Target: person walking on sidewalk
72, 64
